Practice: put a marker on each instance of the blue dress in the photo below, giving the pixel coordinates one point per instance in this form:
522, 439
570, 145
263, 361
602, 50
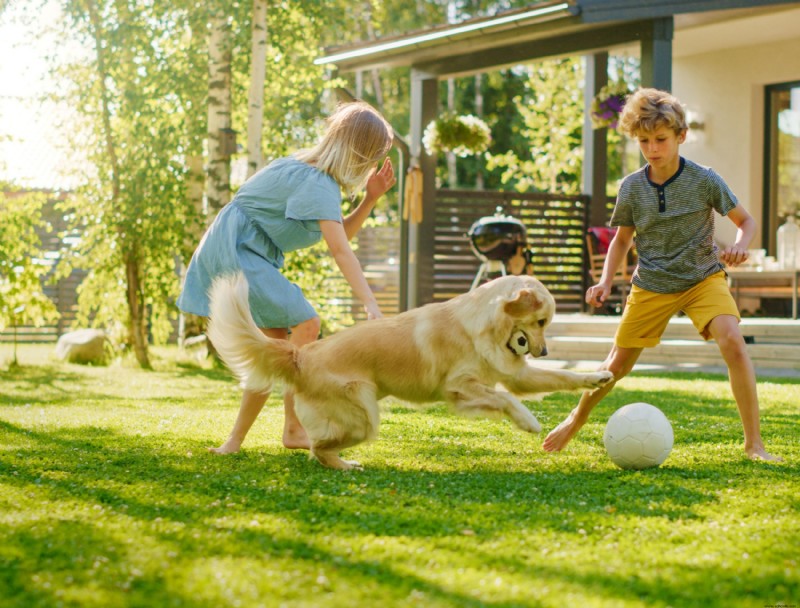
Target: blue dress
276, 211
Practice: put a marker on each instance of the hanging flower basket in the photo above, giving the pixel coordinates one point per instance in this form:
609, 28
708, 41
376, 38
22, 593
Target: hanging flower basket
607, 105
462, 135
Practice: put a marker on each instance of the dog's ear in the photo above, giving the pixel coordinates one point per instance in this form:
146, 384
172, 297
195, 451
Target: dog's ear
523, 304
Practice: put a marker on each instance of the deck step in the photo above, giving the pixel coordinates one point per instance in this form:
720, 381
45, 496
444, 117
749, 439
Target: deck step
772, 343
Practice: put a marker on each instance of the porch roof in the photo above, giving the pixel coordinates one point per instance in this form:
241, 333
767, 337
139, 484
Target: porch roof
543, 29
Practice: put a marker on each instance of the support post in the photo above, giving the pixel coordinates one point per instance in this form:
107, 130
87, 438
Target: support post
419, 251
656, 49
595, 149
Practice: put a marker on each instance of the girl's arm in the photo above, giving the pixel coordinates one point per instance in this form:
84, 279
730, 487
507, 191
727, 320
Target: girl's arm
377, 185
737, 253
336, 238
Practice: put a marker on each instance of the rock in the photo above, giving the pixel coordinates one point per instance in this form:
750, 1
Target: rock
82, 346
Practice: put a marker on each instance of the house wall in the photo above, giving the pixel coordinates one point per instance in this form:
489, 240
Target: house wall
725, 87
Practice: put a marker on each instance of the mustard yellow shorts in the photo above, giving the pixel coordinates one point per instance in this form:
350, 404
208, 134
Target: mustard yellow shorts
647, 313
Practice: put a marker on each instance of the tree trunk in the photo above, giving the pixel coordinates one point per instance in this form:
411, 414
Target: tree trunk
258, 68
136, 319
218, 184
479, 183
452, 168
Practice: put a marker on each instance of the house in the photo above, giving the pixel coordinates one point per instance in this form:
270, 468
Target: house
734, 63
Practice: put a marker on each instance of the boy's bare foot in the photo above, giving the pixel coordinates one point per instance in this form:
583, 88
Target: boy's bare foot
229, 447
295, 438
759, 453
559, 437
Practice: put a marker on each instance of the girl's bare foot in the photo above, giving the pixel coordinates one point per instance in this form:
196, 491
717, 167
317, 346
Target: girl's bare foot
759, 453
229, 447
295, 438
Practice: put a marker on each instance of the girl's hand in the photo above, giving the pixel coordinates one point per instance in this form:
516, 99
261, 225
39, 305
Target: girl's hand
734, 255
373, 312
380, 181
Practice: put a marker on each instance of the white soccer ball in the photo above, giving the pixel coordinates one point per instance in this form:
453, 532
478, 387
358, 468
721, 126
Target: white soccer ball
519, 343
638, 436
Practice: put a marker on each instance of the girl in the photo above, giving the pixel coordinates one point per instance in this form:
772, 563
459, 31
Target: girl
289, 205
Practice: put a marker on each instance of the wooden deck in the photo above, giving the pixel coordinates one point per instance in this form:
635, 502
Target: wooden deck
577, 340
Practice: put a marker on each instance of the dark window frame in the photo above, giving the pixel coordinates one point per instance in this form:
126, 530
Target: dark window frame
769, 219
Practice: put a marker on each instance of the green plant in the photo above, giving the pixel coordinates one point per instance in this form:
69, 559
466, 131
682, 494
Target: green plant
462, 135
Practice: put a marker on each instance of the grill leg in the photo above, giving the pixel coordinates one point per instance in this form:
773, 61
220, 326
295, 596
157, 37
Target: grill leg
487, 268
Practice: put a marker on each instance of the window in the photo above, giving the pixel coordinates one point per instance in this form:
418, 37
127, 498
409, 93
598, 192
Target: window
782, 158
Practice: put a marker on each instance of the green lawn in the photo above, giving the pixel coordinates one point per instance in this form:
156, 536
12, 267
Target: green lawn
108, 498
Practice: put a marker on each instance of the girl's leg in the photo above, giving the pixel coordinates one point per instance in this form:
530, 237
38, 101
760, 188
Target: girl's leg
620, 362
294, 435
250, 408
728, 336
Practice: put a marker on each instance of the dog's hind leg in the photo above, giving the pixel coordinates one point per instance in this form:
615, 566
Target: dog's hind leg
339, 422
471, 397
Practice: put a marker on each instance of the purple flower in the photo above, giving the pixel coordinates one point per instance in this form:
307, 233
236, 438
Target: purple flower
616, 103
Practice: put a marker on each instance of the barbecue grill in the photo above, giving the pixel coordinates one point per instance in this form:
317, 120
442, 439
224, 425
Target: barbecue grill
495, 239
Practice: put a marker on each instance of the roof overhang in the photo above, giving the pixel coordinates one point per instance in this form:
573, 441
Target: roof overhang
468, 36
545, 29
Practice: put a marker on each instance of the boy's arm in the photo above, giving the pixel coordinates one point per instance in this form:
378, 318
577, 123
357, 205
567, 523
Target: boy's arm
617, 253
746, 225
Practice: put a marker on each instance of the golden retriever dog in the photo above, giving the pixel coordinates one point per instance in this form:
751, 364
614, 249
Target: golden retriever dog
457, 351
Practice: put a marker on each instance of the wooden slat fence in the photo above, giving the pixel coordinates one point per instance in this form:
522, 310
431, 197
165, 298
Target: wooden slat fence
556, 225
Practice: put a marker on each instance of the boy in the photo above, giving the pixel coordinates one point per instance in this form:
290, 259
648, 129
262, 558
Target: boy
667, 208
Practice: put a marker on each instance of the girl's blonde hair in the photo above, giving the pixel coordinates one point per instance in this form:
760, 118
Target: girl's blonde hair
647, 110
356, 138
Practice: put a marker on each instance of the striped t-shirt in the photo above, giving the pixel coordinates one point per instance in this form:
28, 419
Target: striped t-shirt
674, 224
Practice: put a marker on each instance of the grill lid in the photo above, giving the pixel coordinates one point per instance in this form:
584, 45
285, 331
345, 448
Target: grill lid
497, 237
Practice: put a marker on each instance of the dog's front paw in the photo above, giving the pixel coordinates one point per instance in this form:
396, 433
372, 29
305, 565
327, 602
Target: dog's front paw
598, 379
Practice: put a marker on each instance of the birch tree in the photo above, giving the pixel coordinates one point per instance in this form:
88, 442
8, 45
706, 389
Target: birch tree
220, 130
258, 73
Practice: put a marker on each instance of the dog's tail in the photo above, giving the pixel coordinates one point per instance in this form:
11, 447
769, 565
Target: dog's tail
255, 359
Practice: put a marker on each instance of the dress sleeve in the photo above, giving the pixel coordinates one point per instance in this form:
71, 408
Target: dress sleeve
718, 194
315, 200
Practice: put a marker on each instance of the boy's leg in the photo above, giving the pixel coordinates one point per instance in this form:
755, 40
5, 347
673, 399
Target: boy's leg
728, 336
620, 362
294, 435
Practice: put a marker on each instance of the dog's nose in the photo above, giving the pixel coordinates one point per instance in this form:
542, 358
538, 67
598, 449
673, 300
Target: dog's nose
543, 353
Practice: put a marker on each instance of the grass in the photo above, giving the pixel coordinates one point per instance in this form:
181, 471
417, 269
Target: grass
108, 498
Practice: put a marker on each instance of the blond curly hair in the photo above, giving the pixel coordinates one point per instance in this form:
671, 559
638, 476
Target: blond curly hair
646, 110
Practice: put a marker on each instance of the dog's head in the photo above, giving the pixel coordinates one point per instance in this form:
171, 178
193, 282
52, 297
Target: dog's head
521, 317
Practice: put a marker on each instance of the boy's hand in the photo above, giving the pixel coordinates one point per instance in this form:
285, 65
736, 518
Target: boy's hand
734, 255
597, 294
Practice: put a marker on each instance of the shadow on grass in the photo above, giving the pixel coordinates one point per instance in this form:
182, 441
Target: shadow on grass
215, 500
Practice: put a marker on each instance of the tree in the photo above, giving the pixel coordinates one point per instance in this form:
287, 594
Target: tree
258, 68
22, 267
133, 97
551, 107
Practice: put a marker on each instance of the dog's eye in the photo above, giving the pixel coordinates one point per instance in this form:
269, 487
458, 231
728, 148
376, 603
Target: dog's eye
541, 322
